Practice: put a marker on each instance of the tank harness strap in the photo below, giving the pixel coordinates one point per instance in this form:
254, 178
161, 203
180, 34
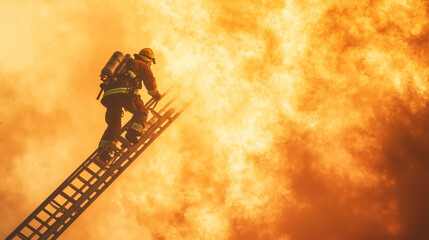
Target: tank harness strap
130, 74
134, 83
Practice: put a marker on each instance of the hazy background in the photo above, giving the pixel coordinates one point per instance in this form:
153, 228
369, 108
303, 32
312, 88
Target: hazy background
310, 119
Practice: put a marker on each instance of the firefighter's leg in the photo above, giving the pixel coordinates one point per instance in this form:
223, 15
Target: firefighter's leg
113, 120
136, 107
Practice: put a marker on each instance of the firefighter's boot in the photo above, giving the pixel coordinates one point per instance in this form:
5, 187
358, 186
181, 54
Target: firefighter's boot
132, 136
105, 156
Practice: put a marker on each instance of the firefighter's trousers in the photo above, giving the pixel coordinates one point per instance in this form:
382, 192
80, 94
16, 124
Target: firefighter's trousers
114, 105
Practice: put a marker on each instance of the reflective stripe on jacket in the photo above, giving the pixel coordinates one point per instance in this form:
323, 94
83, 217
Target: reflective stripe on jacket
138, 127
119, 90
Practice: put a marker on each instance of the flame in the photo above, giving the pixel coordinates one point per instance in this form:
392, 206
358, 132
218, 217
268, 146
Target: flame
309, 118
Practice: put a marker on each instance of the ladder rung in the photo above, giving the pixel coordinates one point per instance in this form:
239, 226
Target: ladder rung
91, 172
32, 229
43, 222
55, 204
97, 161
67, 197
21, 235
47, 212
76, 189
59, 213
57, 207
82, 180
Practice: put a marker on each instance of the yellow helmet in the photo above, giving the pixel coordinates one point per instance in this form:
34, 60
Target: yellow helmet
146, 54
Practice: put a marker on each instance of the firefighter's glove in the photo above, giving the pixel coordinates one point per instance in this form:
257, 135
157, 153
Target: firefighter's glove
156, 96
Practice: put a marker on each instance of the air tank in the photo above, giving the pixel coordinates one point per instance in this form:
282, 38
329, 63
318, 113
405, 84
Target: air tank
109, 70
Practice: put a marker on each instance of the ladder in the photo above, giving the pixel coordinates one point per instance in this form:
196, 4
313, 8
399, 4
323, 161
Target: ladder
92, 177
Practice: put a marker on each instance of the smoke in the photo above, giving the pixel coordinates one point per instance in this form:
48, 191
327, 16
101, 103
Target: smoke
49, 120
309, 118
385, 201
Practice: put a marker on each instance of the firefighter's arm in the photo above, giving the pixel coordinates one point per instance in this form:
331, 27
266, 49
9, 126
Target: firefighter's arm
155, 94
150, 83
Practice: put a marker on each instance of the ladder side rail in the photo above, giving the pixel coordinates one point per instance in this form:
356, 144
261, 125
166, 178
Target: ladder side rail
91, 199
63, 209
135, 147
76, 205
151, 104
151, 128
107, 183
163, 109
79, 169
48, 201
74, 212
79, 210
118, 168
147, 135
51, 200
162, 129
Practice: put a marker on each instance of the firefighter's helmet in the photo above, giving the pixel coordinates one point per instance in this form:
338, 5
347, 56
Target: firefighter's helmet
146, 54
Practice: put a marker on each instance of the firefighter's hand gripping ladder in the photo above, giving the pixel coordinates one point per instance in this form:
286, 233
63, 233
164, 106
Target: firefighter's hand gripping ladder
91, 178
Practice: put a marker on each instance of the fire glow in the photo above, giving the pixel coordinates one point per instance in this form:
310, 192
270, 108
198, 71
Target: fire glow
309, 118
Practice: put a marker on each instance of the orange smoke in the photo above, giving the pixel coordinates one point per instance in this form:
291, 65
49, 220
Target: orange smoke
309, 120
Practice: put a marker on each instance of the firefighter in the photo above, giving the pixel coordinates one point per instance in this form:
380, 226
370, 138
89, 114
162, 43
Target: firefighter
124, 94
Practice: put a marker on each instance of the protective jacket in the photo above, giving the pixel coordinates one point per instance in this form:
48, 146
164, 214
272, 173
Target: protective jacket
124, 94
130, 80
